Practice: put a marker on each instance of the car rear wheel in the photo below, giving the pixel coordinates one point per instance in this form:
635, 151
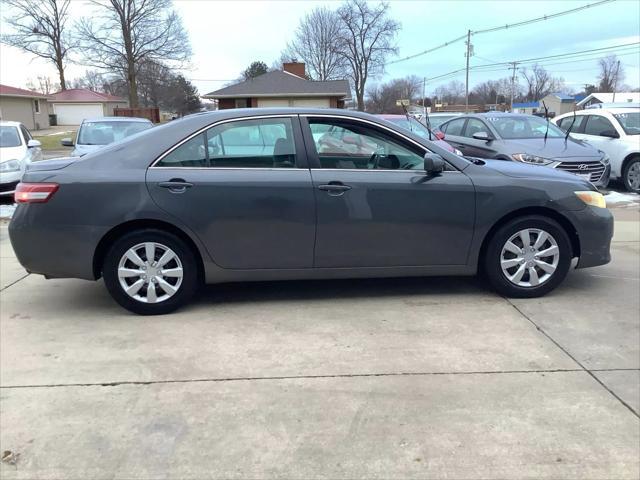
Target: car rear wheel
527, 257
631, 175
150, 272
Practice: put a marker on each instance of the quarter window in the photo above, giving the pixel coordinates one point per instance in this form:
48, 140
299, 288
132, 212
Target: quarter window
261, 143
350, 145
596, 125
454, 127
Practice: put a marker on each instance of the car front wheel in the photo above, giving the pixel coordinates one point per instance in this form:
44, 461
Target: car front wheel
631, 175
150, 272
527, 257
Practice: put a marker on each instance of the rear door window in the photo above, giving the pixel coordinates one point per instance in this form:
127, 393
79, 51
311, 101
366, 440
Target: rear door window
596, 124
454, 127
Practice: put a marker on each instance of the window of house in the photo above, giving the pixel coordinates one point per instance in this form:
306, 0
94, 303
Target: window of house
597, 124
351, 145
454, 127
263, 143
241, 103
36, 105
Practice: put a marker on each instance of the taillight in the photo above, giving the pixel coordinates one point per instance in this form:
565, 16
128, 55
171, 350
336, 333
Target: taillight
34, 192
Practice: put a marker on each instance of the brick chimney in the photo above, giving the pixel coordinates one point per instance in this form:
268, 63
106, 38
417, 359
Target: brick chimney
295, 68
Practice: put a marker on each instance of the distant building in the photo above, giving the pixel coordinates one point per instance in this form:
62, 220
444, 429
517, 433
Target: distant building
24, 106
74, 105
526, 107
288, 87
557, 104
618, 97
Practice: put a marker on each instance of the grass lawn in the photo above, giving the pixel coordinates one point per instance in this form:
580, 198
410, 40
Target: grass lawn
52, 142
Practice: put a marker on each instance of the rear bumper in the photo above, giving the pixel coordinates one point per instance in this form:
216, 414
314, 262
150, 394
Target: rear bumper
52, 250
595, 230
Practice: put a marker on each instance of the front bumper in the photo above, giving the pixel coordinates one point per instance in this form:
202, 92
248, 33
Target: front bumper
595, 230
8, 182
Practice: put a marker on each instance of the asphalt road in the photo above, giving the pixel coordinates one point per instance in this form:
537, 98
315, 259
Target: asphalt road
405, 378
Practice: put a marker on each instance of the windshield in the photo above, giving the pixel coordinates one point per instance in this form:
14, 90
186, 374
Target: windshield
524, 127
629, 121
103, 133
9, 137
412, 125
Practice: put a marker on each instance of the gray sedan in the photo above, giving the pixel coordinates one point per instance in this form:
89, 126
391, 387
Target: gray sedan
526, 139
276, 194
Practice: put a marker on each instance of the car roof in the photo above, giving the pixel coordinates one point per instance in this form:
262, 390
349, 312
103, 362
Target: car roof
9, 123
448, 114
117, 119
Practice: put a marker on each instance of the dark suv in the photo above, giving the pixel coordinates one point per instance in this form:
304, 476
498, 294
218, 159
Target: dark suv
526, 139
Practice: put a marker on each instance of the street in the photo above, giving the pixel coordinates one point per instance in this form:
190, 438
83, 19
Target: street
402, 378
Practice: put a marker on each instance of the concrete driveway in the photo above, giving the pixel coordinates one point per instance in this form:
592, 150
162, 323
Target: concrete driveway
406, 378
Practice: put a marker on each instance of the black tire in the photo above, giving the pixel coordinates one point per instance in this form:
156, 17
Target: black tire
625, 174
190, 278
491, 262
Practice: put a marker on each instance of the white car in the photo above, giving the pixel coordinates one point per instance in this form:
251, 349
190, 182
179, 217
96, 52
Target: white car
17, 149
615, 131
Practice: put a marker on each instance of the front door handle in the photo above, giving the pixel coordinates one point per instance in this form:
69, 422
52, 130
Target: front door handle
334, 188
176, 185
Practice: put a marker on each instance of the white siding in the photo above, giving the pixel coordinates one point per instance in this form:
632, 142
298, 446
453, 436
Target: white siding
74, 114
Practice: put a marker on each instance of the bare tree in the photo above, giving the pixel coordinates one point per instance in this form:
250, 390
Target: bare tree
123, 34
45, 85
367, 39
611, 73
39, 27
317, 44
539, 83
92, 80
451, 93
382, 98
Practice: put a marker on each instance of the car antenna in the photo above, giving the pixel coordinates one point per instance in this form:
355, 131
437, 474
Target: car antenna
546, 116
566, 137
406, 114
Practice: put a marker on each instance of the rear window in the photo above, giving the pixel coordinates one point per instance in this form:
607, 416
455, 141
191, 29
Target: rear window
103, 133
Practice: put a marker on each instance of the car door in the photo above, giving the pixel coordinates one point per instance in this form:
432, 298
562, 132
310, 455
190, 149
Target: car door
244, 188
592, 130
375, 205
475, 147
453, 133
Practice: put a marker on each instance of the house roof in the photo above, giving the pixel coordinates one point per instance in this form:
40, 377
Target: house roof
283, 84
82, 95
7, 91
605, 97
526, 105
562, 97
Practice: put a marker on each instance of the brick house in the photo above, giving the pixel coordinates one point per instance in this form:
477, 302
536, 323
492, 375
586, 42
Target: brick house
288, 87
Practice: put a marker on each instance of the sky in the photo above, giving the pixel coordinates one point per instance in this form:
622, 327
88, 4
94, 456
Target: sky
226, 36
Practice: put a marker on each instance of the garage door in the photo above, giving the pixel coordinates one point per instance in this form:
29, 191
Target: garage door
272, 102
311, 102
75, 114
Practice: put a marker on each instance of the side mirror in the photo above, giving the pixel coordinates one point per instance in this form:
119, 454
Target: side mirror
33, 144
66, 142
610, 134
433, 163
482, 136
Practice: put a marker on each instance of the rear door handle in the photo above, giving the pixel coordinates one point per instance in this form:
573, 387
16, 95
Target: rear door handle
334, 188
176, 185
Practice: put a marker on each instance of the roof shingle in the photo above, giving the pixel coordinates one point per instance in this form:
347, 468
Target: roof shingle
20, 92
83, 95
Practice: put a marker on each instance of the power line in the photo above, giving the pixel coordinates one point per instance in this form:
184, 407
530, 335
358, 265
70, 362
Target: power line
502, 27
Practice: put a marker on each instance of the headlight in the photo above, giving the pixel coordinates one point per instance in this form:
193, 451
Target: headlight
457, 152
10, 166
533, 159
605, 158
595, 199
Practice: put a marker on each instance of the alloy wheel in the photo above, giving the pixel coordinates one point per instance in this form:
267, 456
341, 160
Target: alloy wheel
530, 257
150, 272
633, 176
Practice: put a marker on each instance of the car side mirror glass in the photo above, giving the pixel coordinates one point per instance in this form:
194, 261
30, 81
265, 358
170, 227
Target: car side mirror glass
66, 142
610, 134
433, 163
482, 136
33, 144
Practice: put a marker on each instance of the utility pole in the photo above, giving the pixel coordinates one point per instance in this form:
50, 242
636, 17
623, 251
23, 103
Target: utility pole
466, 88
513, 85
615, 83
424, 109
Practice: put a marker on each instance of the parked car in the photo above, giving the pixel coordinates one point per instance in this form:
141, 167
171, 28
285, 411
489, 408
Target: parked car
438, 118
413, 125
95, 133
17, 149
521, 138
615, 131
166, 210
